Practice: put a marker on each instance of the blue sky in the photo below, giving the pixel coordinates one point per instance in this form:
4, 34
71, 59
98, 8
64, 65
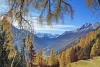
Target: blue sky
81, 15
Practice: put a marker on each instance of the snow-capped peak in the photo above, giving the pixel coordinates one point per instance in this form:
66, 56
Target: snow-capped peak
84, 26
47, 35
87, 24
97, 24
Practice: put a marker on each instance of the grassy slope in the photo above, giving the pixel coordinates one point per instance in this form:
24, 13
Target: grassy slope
87, 63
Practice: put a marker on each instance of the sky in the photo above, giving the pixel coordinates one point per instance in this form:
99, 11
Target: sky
81, 15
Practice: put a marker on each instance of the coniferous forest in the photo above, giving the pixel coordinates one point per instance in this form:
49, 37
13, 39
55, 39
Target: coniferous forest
86, 47
84, 50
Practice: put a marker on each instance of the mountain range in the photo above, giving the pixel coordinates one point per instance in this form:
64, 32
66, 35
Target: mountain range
69, 36
48, 41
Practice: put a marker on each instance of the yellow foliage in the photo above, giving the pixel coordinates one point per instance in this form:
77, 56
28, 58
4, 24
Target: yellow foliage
6, 29
12, 54
52, 59
63, 60
89, 2
51, 9
29, 42
49, 17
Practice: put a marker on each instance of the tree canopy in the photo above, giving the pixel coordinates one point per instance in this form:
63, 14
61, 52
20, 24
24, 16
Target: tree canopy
48, 10
94, 6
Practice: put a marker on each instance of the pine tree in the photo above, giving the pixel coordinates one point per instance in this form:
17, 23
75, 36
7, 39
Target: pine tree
73, 54
98, 47
88, 49
95, 51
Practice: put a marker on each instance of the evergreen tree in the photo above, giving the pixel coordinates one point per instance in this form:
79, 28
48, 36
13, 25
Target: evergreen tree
88, 49
95, 51
74, 56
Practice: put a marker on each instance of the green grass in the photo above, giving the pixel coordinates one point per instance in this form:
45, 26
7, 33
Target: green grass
86, 63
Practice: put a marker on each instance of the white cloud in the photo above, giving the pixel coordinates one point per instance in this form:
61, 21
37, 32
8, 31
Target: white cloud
54, 27
37, 26
46, 28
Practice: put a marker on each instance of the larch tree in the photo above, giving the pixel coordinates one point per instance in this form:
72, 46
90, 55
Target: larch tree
62, 61
68, 56
30, 50
6, 45
52, 59
39, 58
94, 6
49, 10
23, 46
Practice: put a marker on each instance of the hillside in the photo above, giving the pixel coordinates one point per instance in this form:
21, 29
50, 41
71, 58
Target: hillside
80, 52
87, 63
85, 39
64, 40
86, 47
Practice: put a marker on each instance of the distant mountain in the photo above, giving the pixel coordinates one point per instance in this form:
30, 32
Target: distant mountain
41, 40
48, 41
70, 36
85, 25
97, 24
47, 35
